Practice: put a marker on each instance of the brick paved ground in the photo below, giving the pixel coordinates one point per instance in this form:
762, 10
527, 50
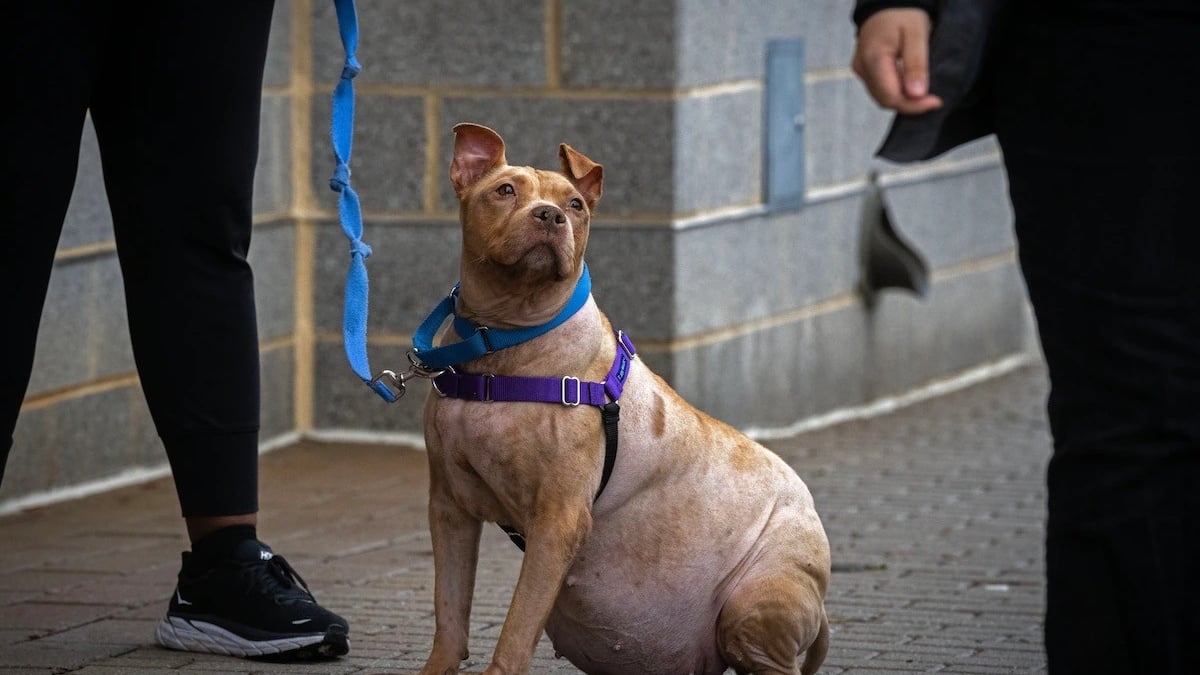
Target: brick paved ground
934, 512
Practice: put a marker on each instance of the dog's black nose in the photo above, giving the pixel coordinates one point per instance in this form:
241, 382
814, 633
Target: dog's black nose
550, 215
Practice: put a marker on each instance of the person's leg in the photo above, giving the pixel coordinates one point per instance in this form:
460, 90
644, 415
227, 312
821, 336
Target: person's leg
177, 116
1121, 555
46, 52
1095, 112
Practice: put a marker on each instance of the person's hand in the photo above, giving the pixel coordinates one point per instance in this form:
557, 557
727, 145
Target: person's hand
892, 60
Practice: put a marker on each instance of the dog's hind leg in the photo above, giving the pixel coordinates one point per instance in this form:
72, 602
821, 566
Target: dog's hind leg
769, 622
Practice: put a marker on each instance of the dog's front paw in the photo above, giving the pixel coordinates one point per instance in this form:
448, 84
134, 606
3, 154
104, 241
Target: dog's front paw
439, 669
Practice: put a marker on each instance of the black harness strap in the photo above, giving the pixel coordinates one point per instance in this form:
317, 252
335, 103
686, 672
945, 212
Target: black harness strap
610, 416
516, 537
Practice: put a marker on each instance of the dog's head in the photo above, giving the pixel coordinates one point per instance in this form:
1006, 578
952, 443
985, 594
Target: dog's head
524, 229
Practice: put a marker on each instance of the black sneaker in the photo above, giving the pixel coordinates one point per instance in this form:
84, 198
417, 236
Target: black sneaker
253, 605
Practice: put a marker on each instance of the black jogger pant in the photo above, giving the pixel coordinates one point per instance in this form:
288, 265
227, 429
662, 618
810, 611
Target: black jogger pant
1098, 115
174, 90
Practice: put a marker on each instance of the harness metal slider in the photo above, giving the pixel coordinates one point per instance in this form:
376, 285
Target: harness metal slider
578, 391
625, 344
487, 342
487, 387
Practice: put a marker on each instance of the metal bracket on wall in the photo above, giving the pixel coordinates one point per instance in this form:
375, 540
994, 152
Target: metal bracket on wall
783, 154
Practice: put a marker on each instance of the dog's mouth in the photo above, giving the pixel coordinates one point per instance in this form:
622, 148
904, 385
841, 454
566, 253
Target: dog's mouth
545, 259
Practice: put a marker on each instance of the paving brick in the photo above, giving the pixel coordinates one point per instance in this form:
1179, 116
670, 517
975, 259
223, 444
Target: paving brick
106, 631
47, 617
45, 657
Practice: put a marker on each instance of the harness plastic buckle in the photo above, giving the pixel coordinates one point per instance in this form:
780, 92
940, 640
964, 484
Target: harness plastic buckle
578, 391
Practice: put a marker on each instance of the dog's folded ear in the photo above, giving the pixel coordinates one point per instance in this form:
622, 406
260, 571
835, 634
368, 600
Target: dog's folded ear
583, 172
477, 150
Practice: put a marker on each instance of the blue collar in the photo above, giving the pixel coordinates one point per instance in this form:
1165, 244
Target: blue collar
480, 340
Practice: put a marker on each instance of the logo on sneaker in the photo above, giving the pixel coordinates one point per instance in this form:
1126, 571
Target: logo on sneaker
179, 598
297, 622
265, 555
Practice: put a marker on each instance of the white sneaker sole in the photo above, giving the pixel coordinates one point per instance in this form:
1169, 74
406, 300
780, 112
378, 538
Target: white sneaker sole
200, 636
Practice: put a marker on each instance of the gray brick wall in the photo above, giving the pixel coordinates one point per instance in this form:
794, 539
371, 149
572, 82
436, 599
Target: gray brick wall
753, 315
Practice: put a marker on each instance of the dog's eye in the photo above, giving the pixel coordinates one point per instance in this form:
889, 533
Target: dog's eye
577, 204
506, 190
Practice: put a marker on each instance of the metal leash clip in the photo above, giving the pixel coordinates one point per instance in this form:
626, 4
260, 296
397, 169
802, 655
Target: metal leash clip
396, 382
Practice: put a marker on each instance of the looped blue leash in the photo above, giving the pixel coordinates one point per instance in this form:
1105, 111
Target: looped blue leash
354, 319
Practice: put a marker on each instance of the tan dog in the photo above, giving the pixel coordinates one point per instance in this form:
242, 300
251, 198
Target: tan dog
704, 550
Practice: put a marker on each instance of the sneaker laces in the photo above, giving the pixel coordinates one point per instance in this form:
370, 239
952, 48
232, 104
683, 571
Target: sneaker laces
276, 578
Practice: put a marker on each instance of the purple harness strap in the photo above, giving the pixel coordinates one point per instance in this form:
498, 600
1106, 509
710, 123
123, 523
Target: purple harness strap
567, 391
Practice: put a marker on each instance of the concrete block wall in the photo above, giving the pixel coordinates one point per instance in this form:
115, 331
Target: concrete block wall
753, 315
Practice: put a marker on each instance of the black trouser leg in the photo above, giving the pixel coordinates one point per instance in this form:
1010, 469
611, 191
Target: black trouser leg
47, 52
177, 117
1122, 552
1096, 116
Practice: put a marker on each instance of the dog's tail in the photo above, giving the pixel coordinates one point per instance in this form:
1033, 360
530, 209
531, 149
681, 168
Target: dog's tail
814, 656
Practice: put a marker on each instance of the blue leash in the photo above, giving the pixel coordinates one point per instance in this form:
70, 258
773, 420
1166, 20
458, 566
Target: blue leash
354, 319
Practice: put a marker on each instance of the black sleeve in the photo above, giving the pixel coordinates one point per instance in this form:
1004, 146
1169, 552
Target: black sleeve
863, 9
